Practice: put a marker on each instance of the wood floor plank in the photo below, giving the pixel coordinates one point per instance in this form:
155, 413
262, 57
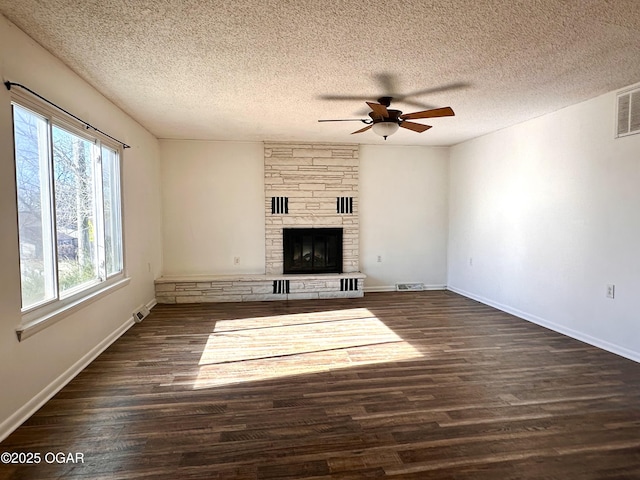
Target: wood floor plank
414, 385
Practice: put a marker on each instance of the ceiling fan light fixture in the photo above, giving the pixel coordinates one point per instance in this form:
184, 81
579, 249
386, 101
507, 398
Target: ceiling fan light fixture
384, 129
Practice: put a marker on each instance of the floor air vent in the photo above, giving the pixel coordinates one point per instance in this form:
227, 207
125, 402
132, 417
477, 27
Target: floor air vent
141, 313
409, 287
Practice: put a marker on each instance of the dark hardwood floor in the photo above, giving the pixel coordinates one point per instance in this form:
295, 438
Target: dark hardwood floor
416, 385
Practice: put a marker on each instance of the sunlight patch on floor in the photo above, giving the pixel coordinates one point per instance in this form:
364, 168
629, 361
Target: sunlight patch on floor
291, 319
264, 348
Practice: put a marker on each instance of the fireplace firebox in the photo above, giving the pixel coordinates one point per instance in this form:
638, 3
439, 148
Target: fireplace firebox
312, 250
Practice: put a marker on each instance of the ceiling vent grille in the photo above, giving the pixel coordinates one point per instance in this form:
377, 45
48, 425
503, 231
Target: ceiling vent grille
628, 113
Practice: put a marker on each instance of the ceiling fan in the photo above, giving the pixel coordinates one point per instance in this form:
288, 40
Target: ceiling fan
385, 121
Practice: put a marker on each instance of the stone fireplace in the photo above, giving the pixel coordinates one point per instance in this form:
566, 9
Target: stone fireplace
311, 194
311, 186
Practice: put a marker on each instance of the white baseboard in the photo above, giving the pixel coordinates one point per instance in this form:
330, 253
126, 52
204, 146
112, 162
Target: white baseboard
20, 416
387, 288
392, 288
569, 332
150, 304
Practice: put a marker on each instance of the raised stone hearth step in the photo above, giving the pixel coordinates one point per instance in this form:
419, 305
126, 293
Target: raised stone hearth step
258, 287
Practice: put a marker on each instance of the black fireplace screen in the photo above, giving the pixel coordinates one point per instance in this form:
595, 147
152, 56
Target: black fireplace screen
312, 250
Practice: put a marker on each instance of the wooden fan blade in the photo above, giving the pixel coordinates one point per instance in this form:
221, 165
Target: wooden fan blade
379, 109
346, 120
346, 97
442, 88
416, 127
414, 103
434, 112
362, 129
387, 81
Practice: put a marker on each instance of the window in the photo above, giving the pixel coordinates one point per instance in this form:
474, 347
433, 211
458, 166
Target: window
69, 210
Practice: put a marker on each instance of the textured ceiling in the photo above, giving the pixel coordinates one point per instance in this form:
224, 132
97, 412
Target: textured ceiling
260, 69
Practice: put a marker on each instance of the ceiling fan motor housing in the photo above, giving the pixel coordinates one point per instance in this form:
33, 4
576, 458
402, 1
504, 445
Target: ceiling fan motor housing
394, 116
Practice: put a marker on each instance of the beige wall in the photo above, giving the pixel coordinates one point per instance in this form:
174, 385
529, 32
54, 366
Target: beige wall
213, 207
403, 215
35, 368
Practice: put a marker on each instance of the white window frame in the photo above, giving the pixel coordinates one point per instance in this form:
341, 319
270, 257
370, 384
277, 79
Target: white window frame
44, 314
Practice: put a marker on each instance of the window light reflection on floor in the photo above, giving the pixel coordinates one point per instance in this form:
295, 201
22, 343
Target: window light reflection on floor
254, 349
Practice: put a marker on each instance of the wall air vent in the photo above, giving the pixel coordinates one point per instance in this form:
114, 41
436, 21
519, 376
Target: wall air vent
348, 284
409, 287
345, 204
281, 287
628, 113
279, 205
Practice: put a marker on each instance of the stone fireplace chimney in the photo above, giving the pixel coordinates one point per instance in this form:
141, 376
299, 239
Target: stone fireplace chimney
311, 186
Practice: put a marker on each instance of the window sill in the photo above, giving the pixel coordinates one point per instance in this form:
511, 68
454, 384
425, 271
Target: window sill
32, 327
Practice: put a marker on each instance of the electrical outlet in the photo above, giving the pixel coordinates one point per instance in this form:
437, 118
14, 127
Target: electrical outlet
471, 261
379, 258
236, 260
611, 291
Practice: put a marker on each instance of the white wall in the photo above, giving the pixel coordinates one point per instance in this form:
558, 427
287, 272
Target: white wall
548, 211
213, 207
32, 370
403, 215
